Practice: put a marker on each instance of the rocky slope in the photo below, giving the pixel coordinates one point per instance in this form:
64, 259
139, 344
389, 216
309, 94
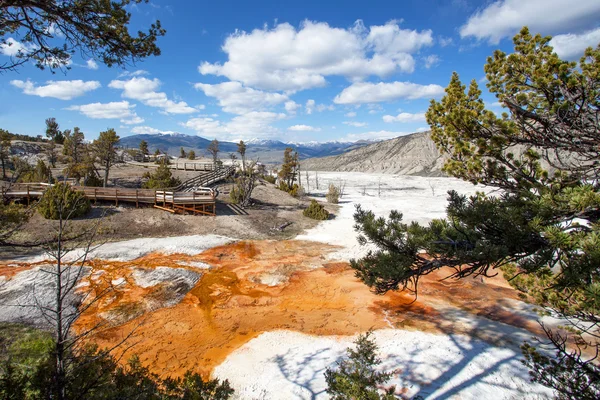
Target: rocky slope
413, 154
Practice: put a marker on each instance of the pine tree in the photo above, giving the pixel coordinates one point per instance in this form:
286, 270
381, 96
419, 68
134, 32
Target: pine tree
4, 150
104, 149
356, 377
542, 228
213, 149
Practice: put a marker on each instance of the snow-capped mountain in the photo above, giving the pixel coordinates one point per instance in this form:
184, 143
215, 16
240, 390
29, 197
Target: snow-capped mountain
267, 150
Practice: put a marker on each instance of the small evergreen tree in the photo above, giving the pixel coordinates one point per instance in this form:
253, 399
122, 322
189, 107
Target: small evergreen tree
4, 150
333, 194
62, 198
316, 211
53, 131
356, 377
162, 178
105, 151
213, 149
40, 174
182, 153
191, 155
144, 149
241, 148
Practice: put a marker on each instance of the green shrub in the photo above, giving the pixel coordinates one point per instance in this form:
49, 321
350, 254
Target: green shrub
237, 194
41, 173
93, 180
316, 211
295, 190
270, 178
62, 199
333, 195
162, 178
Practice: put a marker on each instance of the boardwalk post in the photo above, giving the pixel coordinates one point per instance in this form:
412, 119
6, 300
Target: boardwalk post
136, 199
117, 197
95, 197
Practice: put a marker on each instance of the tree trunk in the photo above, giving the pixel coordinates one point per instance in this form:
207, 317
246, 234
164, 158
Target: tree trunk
3, 169
106, 169
59, 346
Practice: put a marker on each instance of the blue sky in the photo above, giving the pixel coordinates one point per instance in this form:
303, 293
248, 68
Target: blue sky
293, 71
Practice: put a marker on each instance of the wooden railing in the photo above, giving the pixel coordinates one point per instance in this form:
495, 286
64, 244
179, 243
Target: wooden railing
183, 166
205, 179
137, 196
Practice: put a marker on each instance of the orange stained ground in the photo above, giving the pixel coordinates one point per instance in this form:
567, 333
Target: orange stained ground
233, 303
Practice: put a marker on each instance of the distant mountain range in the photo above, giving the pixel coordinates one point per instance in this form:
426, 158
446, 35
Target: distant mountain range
267, 151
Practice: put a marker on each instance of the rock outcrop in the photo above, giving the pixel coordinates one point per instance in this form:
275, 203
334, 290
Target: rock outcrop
413, 154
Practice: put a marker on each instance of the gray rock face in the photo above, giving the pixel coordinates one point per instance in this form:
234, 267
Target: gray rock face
413, 154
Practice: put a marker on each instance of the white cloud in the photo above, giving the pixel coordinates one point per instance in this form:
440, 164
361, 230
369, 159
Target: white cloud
405, 117
431, 61
503, 18
291, 106
373, 135
310, 106
324, 107
571, 46
445, 41
246, 126
303, 128
235, 98
12, 47
121, 110
63, 90
139, 72
147, 130
355, 124
290, 59
144, 90
351, 114
365, 92
91, 64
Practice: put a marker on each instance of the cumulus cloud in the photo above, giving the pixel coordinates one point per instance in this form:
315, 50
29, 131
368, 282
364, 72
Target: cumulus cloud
303, 128
310, 106
504, 18
121, 110
291, 106
365, 92
234, 98
355, 124
63, 90
431, 60
405, 117
571, 46
246, 126
288, 59
12, 47
144, 90
91, 64
351, 114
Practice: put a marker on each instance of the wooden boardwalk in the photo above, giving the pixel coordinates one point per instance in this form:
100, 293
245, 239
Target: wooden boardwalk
191, 196
180, 166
